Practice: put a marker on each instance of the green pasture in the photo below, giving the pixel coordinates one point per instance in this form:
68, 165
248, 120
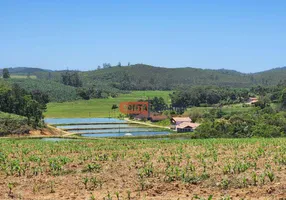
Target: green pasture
98, 107
228, 109
23, 76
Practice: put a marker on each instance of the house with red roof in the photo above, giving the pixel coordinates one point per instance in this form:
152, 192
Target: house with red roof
183, 124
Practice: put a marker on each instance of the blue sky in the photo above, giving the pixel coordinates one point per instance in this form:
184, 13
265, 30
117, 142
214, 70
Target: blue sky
247, 36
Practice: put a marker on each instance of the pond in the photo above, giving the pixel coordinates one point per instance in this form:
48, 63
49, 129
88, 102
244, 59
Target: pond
95, 126
126, 134
103, 127
115, 130
81, 120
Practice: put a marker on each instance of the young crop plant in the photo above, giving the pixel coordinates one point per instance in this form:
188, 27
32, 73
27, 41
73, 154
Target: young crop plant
210, 197
128, 195
191, 167
92, 167
114, 156
225, 183
15, 167
254, 178
262, 178
244, 182
227, 169
142, 183
52, 187
94, 182
55, 166
92, 197
108, 196
270, 175
117, 195
148, 170
226, 198
241, 167
11, 186
215, 156
85, 182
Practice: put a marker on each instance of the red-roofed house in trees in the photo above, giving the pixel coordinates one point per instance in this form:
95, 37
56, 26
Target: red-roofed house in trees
183, 124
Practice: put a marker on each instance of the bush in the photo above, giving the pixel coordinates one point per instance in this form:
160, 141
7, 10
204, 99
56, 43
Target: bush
13, 124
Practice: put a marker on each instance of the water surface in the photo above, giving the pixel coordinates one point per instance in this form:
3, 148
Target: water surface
123, 134
81, 120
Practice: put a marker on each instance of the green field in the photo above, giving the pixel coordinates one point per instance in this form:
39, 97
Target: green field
98, 107
228, 109
23, 76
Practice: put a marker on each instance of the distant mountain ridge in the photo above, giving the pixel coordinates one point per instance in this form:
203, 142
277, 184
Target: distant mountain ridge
147, 77
25, 70
37, 69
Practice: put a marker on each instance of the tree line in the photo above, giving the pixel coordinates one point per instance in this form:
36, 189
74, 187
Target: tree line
207, 96
16, 100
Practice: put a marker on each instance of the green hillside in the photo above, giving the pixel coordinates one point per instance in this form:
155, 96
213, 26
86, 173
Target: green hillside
111, 81
146, 77
24, 70
56, 91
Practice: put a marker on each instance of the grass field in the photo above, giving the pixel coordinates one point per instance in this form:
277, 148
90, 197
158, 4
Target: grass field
143, 169
23, 76
98, 107
228, 109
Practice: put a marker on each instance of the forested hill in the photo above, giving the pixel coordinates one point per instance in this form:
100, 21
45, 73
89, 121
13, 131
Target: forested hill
270, 77
149, 77
25, 70
146, 77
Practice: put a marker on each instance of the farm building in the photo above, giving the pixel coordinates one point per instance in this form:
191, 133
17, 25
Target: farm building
186, 127
178, 120
183, 124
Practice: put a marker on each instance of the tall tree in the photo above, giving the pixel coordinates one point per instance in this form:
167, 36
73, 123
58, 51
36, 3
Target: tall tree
71, 78
6, 73
158, 104
283, 98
